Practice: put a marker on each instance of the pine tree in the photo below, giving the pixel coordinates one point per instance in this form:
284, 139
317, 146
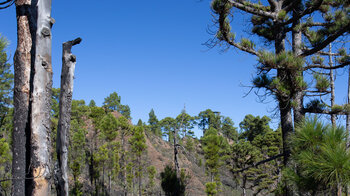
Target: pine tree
6, 81
281, 71
6, 114
252, 126
208, 119
92, 103
154, 123
185, 122
228, 129
113, 103
151, 171
214, 147
77, 155
138, 146
168, 126
125, 129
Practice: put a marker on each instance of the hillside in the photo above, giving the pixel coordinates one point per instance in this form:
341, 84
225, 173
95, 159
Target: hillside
159, 153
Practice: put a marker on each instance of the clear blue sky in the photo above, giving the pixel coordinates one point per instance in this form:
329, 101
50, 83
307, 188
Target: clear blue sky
152, 54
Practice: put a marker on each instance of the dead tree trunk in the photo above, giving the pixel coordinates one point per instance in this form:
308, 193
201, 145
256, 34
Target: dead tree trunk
41, 102
176, 163
65, 105
22, 69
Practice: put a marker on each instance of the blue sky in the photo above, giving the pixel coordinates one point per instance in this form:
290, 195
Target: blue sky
152, 54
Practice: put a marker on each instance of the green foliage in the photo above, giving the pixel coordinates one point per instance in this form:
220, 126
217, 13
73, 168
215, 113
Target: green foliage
263, 143
6, 81
185, 122
151, 170
55, 102
138, 141
189, 144
79, 110
262, 81
112, 103
252, 126
124, 126
92, 103
214, 147
209, 119
130, 176
125, 111
109, 126
5, 166
154, 123
321, 155
283, 60
337, 108
317, 60
77, 148
322, 83
171, 184
282, 15
228, 129
96, 114
246, 43
315, 105
168, 126
210, 188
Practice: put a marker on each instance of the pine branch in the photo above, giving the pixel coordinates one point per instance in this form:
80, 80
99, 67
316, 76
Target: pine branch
328, 53
323, 111
307, 11
326, 42
227, 38
240, 5
260, 162
309, 91
6, 4
327, 67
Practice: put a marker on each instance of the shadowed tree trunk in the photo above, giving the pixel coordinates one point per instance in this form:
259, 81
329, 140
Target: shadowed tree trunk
41, 102
65, 105
22, 69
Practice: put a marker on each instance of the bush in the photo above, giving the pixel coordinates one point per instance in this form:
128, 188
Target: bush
171, 184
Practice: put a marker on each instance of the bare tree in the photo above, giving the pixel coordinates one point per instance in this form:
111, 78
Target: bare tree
41, 101
65, 105
22, 68
32, 97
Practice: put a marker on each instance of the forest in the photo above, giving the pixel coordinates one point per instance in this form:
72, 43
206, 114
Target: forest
54, 144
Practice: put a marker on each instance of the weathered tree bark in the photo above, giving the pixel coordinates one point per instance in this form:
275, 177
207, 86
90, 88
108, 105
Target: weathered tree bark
41, 102
22, 68
297, 45
65, 106
284, 101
